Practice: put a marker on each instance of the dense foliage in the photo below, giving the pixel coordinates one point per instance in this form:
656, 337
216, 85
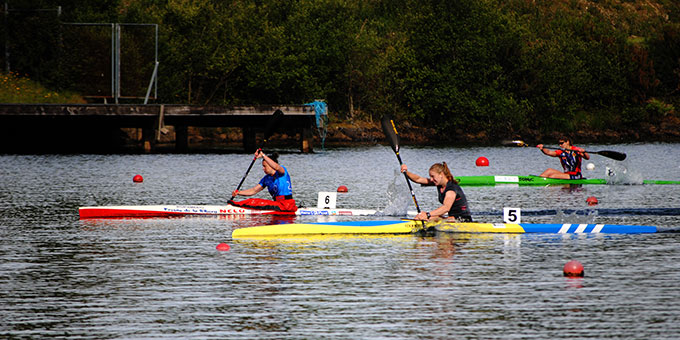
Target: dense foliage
466, 66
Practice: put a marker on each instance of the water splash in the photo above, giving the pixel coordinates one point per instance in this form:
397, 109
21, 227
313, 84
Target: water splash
618, 173
398, 199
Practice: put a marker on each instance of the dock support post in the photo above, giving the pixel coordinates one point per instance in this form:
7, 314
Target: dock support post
181, 138
306, 140
161, 129
249, 139
148, 137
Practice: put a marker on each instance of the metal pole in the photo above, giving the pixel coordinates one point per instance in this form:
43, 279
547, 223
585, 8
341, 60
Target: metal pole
113, 61
117, 62
6, 37
156, 67
153, 77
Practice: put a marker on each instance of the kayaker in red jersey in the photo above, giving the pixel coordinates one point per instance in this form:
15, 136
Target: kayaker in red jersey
570, 158
276, 180
451, 195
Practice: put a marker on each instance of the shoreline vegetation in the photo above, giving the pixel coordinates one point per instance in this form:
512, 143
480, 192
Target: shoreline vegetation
357, 133
451, 72
347, 132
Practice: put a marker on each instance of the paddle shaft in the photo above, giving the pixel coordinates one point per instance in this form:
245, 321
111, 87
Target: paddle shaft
246, 175
267, 132
615, 155
393, 137
410, 187
619, 156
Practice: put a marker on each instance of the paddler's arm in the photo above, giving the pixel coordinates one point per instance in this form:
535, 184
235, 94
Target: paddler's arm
439, 212
581, 151
248, 192
414, 177
271, 162
548, 152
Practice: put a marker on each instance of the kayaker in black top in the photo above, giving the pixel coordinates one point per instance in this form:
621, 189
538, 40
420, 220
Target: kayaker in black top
451, 195
570, 157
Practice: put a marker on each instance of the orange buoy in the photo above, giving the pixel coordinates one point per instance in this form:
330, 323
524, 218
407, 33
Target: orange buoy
573, 268
138, 179
223, 247
342, 188
482, 161
592, 200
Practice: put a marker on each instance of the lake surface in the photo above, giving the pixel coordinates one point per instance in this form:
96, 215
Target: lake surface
61, 277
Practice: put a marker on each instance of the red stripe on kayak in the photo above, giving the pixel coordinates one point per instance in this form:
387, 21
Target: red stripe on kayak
121, 213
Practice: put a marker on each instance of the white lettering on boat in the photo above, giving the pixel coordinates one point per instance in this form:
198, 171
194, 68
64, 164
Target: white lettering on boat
506, 179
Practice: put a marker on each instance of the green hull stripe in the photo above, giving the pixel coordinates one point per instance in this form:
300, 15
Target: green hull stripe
536, 180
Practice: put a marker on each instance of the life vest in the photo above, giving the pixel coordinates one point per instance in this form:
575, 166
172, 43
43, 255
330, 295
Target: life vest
571, 161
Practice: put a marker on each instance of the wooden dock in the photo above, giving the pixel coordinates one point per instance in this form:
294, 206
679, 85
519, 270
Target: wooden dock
24, 124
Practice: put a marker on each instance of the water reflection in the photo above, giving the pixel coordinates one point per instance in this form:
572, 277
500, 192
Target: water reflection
61, 277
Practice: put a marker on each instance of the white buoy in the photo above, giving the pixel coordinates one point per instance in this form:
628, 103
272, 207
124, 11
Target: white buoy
590, 166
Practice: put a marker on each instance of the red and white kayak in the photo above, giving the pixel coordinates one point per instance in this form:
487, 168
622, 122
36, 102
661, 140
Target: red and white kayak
136, 211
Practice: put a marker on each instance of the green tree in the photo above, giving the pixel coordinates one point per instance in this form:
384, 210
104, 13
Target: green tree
458, 63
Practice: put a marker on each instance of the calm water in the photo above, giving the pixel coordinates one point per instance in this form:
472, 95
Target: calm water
163, 278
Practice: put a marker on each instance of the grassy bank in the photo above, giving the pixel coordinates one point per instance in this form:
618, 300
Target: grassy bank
15, 88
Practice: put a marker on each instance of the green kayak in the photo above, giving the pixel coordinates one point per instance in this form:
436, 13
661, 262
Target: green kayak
537, 180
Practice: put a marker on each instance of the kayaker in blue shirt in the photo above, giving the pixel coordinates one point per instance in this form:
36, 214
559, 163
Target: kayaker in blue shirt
276, 180
570, 158
450, 194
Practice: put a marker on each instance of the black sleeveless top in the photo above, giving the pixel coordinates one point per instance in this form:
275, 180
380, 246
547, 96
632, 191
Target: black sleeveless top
459, 208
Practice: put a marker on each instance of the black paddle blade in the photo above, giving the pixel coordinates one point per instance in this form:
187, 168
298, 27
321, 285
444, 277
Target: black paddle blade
390, 131
272, 124
619, 156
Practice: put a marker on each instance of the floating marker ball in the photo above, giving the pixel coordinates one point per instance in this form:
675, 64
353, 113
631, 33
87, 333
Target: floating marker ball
592, 200
482, 161
590, 166
138, 179
342, 188
223, 247
573, 268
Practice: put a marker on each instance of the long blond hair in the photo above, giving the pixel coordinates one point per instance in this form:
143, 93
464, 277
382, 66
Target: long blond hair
443, 168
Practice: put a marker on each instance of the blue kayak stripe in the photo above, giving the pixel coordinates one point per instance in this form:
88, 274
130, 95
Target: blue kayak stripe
529, 227
587, 228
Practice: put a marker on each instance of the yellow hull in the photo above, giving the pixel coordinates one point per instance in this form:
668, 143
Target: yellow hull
386, 227
374, 227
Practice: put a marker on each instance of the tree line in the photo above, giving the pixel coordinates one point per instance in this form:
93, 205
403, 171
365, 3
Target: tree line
497, 67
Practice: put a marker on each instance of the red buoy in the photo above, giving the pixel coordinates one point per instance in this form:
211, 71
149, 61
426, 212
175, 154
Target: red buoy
592, 200
342, 188
573, 268
138, 179
482, 161
223, 247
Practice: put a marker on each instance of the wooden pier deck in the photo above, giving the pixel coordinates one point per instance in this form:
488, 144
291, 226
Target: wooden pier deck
26, 123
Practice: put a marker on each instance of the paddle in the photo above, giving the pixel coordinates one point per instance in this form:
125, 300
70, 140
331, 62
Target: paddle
615, 155
393, 137
268, 130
